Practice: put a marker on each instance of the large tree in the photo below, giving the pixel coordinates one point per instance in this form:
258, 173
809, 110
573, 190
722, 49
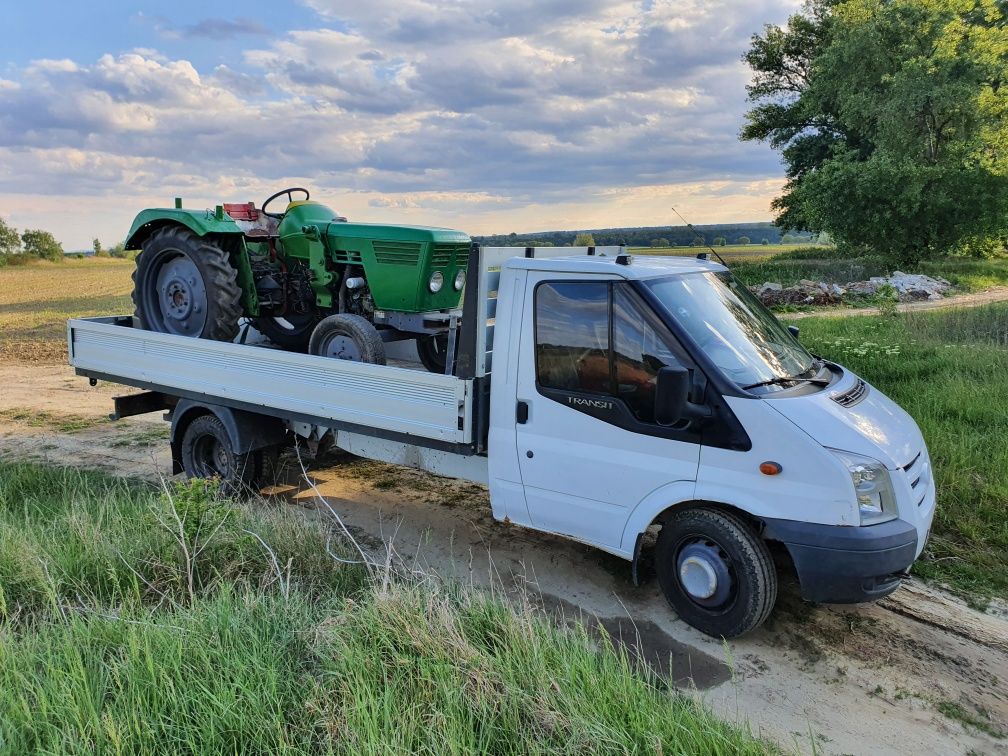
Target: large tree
42, 244
891, 119
10, 242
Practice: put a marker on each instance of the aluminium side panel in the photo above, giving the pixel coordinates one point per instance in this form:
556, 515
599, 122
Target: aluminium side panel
393, 399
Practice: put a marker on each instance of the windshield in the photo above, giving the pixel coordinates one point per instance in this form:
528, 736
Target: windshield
732, 327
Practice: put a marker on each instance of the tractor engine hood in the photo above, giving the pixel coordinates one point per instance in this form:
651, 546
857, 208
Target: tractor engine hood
873, 425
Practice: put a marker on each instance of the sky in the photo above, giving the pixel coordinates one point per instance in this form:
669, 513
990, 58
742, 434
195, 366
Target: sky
489, 117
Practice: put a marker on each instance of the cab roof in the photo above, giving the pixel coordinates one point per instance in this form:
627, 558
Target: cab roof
639, 267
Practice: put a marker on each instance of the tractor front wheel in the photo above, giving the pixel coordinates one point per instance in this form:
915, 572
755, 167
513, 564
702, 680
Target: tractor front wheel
291, 332
187, 286
433, 352
348, 337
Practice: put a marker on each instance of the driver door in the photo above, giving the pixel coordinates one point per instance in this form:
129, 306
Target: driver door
590, 450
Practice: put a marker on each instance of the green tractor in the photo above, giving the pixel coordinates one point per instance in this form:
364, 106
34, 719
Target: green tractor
307, 279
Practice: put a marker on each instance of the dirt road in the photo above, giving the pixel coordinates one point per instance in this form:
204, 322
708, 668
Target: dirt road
904, 675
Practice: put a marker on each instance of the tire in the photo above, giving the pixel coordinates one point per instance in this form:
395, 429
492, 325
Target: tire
347, 337
186, 285
696, 544
294, 339
433, 352
207, 454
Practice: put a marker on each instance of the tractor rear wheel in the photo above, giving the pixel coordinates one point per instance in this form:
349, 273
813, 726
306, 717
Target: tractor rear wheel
187, 286
291, 332
348, 337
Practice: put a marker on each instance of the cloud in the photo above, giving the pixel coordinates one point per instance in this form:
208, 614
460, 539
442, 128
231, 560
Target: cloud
416, 106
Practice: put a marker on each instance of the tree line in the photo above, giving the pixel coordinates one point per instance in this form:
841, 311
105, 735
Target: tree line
39, 244
655, 236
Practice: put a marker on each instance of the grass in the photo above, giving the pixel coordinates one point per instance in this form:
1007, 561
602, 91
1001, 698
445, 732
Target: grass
36, 300
62, 422
949, 370
134, 620
972, 721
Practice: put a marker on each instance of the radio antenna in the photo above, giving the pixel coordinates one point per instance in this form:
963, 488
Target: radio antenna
699, 235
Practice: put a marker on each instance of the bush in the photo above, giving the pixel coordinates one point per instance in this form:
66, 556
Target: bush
743, 240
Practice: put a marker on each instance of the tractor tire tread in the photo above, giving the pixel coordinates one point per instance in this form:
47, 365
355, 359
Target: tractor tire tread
222, 286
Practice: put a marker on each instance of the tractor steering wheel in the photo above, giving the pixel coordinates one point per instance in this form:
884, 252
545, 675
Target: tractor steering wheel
290, 199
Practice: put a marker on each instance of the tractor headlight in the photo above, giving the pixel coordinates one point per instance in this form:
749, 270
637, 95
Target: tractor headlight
460, 280
872, 487
436, 282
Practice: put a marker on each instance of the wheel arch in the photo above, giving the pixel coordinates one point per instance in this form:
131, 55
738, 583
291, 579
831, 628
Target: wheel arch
150, 221
660, 504
247, 431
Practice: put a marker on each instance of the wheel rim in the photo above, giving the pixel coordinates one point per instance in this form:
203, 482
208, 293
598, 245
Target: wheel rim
211, 458
342, 348
705, 573
176, 297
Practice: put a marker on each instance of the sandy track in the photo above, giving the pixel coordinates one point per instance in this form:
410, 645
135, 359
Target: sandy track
957, 301
838, 679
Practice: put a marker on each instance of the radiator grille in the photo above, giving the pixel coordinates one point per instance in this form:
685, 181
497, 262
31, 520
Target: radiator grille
397, 253
445, 255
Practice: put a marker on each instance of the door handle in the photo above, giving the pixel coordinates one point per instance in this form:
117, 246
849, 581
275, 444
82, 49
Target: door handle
521, 413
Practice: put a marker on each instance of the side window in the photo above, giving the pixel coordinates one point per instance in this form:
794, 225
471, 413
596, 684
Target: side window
641, 347
572, 336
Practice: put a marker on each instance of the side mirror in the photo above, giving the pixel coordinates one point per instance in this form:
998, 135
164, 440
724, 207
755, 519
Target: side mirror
671, 395
793, 330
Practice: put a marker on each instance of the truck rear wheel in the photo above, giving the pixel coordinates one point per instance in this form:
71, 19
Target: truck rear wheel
715, 571
187, 286
207, 453
348, 337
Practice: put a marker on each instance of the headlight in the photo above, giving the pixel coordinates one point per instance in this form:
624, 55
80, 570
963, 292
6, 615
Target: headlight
436, 282
872, 487
460, 280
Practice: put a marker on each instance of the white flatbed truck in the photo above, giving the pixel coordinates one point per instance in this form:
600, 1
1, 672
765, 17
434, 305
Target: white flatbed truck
600, 397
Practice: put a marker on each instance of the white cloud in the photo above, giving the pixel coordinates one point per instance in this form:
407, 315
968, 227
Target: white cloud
478, 112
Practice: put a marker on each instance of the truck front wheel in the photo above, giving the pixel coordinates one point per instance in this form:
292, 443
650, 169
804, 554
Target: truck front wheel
207, 453
715, 571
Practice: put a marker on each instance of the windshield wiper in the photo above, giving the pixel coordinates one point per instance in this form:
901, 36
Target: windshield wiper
782, 379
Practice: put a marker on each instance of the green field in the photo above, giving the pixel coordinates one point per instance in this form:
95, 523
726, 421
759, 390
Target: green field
949, 370
36, 300
730, 251
134, 621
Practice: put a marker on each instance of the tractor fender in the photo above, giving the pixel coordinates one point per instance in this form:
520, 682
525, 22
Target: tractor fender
247, 431
200, 222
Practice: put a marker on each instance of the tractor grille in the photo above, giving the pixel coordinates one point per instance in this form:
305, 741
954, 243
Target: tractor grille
853, 396
445, 255
352, 257
397, 253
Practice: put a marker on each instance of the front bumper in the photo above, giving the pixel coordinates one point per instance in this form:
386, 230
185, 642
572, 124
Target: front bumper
847, 565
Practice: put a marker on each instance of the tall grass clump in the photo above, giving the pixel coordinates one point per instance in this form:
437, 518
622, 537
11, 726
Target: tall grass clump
145, 620
949, 370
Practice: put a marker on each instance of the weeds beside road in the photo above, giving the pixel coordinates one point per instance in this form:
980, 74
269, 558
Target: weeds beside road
136, 621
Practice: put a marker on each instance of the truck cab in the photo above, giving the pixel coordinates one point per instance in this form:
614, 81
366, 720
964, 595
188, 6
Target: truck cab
633, 395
